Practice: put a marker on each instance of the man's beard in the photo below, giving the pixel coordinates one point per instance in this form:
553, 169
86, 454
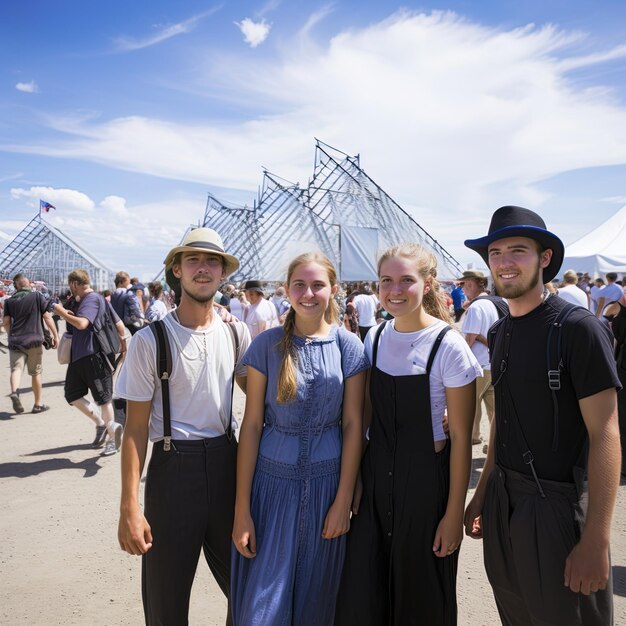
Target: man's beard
520, 289
202, 299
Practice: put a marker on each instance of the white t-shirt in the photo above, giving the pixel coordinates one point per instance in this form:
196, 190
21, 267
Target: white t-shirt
262, 311
200, 383
402, 354
573, 294
366, 306
478, 319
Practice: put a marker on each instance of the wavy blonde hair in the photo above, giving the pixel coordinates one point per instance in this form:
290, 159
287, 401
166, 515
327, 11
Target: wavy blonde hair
287, 376
434, 301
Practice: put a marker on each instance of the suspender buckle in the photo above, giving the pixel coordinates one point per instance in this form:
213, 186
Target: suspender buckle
165, 376
528, 457
167, 443
554, 380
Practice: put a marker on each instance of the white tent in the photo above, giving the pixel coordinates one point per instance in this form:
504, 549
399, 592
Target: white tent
602, 250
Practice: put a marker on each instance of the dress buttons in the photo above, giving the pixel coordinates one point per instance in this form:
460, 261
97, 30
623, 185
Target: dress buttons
389, 513
388, 534
390, 473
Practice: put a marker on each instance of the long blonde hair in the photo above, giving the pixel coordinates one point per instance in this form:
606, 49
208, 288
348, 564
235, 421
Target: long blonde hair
434, 300
287, 377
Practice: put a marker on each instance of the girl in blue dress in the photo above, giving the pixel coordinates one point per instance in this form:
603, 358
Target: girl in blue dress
298, 457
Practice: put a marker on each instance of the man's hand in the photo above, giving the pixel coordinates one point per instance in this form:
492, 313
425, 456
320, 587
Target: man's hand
587, 568
133, 532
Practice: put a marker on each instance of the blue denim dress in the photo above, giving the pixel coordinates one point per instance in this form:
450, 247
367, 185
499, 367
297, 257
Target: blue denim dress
295, 575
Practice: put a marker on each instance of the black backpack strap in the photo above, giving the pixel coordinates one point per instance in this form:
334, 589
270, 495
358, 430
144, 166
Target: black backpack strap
435, 348
379, 330
501, 306
164, 369
554, 360
235, 338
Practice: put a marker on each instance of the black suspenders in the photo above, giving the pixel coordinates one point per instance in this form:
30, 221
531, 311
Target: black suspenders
164, 371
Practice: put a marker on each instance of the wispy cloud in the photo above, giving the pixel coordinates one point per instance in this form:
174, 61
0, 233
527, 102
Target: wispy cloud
315, 18
254, 33
30, 87
575, 63
268, 7
615, 200
127, 44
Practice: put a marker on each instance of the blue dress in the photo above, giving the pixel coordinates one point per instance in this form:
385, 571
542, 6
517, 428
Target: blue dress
295, 575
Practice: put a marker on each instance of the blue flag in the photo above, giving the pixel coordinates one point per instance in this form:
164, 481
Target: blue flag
45, 206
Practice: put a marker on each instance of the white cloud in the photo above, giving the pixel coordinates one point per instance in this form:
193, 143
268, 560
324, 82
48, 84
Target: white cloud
30, 87
66, 199
128, 44
115, 204
621, 200
254, 33
449, 116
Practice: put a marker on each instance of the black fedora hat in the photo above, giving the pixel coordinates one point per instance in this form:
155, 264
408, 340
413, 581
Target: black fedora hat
515, 221
253, 285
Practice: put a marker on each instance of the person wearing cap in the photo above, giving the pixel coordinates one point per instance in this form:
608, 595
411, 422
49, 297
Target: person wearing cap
475, 324
190, 484
545, 563
261, 313
570, 290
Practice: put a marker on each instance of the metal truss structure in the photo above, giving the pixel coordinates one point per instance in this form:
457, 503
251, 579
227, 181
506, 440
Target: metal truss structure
342, 212
44, 253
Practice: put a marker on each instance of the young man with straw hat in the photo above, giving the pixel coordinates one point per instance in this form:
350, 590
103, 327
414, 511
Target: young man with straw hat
546, 550
190, 483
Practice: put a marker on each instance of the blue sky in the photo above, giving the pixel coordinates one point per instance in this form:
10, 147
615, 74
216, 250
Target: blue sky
124, 114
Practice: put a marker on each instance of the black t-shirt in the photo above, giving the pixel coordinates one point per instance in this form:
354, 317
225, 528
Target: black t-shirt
588, 368
25, 309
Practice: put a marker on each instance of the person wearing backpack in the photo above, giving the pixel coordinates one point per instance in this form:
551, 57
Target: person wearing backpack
126, 304
178, 380
92, 362
480, 315
546, 546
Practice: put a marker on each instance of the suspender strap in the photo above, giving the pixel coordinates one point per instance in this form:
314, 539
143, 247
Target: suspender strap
164, 369
235, 337
555, 365
435, 348
376, 340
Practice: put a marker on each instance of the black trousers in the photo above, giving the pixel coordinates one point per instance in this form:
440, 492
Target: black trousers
189, 504
526, 540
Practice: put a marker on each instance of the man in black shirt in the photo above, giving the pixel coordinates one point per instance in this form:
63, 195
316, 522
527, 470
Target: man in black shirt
545, 562
24, 315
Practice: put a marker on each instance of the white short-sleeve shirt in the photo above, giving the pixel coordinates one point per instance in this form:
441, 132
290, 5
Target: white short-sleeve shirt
402, 354
479, 317
200, 383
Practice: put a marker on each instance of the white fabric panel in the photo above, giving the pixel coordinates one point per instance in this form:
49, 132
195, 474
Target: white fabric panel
359, 247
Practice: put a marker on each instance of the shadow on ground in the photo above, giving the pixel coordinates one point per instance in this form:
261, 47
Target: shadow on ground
17, 469
619, 580
477, 467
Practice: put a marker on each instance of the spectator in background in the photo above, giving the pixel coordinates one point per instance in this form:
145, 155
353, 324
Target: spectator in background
124, 302
571, 292
610, 293
24, 315
156, 309
261, 314
458, 297
594, 294
140, 291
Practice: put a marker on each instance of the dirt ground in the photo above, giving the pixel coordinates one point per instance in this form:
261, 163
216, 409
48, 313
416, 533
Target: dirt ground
59, 558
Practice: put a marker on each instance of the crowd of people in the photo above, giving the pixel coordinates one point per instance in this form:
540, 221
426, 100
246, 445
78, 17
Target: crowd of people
342, 500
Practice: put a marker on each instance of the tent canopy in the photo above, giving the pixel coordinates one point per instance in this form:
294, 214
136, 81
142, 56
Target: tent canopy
602, 250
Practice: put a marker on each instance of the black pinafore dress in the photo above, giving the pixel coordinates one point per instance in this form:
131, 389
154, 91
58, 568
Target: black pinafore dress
391, 575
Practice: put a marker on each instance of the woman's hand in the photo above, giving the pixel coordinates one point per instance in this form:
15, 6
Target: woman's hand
244, 536
448, 536
337, 520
